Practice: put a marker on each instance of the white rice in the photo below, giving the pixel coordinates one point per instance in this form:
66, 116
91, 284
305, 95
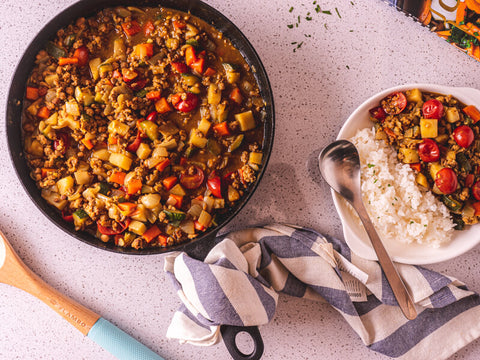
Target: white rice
399, 210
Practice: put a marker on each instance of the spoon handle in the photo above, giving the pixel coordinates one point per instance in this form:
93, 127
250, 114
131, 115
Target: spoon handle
398, 287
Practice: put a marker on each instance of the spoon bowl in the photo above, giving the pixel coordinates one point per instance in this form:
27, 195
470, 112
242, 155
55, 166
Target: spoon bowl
339, 165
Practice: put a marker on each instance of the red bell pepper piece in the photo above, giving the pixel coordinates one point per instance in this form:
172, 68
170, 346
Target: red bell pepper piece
136, 143
131, 27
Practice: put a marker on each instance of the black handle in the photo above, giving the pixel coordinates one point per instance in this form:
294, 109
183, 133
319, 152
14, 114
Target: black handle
229, 334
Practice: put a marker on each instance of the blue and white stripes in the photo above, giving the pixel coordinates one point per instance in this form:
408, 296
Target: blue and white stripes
239, 282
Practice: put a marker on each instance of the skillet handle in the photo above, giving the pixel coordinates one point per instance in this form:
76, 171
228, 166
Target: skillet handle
229, 333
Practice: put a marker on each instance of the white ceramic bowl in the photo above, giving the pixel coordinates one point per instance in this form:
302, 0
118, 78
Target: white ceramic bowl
355, 235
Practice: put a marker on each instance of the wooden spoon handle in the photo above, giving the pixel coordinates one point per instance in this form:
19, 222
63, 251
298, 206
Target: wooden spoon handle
14, 272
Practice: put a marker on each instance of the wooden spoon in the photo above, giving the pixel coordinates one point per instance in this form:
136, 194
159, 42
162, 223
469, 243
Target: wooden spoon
15, 273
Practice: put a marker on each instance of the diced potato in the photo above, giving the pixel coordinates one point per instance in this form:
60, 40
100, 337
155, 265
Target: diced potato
54, 199
84, 96
197, 139
414, 95
408, 156
71, 107
434, 167
160, 151
255, 157
232, 76
214, 94
52, 120
421, 180
428, 128
452, 115
82, 177
117, 127
50, 79
188, 227
102, 154
33, 147
178, 190
153, 161
246, 120
143, 151
137, 227
33, 108
232, 194
204, 126
120, 160
94, 63
204, 219
118, 48
151, 200
65, 184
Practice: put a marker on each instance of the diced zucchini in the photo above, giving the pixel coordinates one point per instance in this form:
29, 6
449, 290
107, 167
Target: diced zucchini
408, 156
190, 79
236, 143
126, 239
94, 64
65, 184
246, 120
451, 203
452, 115
421, 180
150, 128
103, 69
414, 95
50, 79
429, 128
117, 127
232, 73
118, 48
103, 188
137, 227
80, 216
255, 158
214, 147
102, 154
120, 160
54, 50
178, 190
463, 161
204, 126
84, 96
197, 139
143, 151
175, 217
82, 177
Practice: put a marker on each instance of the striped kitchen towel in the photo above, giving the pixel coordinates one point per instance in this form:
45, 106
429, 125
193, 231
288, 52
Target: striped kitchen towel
239, 281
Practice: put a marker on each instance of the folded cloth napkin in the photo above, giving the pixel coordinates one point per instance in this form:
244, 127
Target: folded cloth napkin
239, 281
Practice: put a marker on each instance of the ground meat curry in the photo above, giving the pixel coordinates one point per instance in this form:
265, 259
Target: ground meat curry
440, 138
142, 125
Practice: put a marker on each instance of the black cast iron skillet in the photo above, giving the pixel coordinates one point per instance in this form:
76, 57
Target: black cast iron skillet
197, 248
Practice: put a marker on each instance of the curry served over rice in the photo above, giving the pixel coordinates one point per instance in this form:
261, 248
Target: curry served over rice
440, 138
142, 126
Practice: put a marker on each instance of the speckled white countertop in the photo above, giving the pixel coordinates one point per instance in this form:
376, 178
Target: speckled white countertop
348, 58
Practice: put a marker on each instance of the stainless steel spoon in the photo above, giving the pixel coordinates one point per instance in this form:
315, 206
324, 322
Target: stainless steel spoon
340, 167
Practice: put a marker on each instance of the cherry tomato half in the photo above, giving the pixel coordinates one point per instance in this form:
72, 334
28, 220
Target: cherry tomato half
476, 190
446, 181
214, 184
463, 136
428, 150
82, 55
432, 109
120, 228
378, 113
188, 104
180, 67
192, 180
394, 103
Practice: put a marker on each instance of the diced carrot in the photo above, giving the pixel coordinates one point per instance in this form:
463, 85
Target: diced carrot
175, 98
461, 12
162, 106
117, 177
67, 61
116, 74
177, 24
183, 160
144, 50
236, 96
154, 95
390, 132
169, 182
148, 28
46, 171
476, 52
198, 226
202, 54
476, 206
151, 233
43, 112
416, 166
162, 239
88, 144
131, 27
469, 180
190, 55
222, 129
179, 67
472, 112
162, 165
128, 75
445, 34
134, 186
175, 200
127, 208
112, 140
198, 66
210, 72
32, 93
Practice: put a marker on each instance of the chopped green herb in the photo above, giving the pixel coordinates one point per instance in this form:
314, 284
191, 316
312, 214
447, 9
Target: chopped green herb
351, 2
328, 12
290, 26
411, 222
314, 2
307, 35
338, 13
325, 25
308, 18
298, 19
351, 30
293, 43
370, 165
348, 67
318, 9
374, 181
291, 9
